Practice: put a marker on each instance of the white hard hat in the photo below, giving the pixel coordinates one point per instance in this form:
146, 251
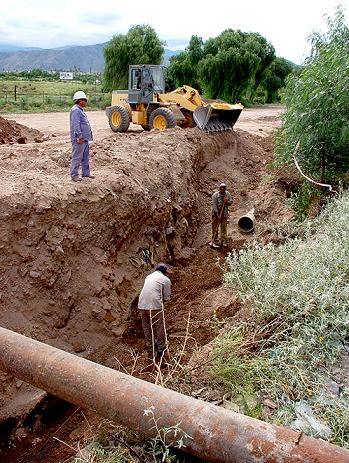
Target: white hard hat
79, 95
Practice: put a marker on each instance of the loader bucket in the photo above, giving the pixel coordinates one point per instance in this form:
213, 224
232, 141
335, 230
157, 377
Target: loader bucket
217, 117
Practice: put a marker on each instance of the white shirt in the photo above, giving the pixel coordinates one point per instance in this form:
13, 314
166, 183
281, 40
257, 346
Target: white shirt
156, 290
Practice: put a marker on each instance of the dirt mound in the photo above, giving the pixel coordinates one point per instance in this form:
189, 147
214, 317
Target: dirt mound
12, 132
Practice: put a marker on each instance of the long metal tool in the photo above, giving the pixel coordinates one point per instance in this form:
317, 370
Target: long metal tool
216, 434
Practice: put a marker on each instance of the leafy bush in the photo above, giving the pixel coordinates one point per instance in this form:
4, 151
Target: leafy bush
298, 298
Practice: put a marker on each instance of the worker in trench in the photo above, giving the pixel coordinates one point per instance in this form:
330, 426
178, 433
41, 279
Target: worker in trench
221, 201
80, 137
156, 290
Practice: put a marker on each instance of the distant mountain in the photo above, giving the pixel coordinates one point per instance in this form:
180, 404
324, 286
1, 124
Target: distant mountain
9, 48
168, 55
69, 58
83, 58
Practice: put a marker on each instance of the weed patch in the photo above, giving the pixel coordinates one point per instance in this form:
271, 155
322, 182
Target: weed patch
298, 325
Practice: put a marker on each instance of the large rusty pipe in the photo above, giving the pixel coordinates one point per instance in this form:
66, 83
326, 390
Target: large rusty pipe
216, 434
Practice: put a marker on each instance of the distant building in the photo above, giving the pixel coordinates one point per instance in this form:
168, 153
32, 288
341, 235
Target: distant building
66, 75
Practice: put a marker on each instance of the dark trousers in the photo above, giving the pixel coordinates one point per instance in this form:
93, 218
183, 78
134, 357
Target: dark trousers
154, 330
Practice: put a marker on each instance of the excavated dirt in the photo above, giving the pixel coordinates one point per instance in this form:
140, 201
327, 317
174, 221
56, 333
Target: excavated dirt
74, 256
12, 132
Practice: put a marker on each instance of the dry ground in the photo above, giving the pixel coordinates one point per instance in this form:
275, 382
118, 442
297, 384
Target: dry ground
73, 255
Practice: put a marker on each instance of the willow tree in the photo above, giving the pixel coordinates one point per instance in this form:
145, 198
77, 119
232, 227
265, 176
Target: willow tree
234, 63
141, 45
183, 69
317, 102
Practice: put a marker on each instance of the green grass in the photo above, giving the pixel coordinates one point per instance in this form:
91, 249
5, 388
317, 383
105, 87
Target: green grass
48, 88
298, 305
42, 96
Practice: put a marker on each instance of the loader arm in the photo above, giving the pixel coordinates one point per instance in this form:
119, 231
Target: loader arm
211, 117
187, 97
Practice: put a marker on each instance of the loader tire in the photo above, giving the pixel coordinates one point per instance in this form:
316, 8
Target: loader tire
119, 119
161, 119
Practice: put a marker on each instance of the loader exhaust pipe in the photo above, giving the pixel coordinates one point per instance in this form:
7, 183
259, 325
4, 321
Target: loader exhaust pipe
246, 222
216, 434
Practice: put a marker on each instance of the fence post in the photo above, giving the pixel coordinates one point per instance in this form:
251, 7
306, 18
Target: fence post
15, 92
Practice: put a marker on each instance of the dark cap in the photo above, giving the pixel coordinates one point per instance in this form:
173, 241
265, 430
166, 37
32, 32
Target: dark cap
162, 268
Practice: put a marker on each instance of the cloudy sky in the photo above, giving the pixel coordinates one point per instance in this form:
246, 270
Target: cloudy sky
55, 23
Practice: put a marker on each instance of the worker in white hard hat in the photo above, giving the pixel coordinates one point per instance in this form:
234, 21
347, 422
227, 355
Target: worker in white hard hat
80, 136
221, 200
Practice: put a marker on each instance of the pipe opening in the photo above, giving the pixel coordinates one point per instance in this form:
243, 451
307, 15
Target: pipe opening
246, 224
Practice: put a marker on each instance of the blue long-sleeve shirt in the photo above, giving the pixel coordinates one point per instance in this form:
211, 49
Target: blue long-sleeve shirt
79, 125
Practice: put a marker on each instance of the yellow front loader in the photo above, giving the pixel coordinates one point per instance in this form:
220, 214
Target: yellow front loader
146, 103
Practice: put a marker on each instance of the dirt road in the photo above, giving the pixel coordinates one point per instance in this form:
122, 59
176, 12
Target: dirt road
261, 120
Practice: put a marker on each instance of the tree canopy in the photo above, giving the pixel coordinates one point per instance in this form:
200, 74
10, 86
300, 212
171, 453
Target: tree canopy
183, 67
231, 66
274, 78
317, 102
140, 45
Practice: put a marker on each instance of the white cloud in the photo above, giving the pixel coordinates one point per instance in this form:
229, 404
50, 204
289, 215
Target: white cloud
56, 23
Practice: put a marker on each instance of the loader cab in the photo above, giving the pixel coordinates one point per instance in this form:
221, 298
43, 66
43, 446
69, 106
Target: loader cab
145, 80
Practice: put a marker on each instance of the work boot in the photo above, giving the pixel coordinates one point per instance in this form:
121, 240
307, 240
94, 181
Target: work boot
89, 176
214, 245
164, 358
76, 179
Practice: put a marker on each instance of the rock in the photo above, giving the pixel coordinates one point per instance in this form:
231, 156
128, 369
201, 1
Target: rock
78, 346
270, 404
331, 387
119, 330
20, 434
59, 251
306, 421
36, 441
34, 274
98, 312
19, 383
199, 392
22, 140
108, 316
230, 405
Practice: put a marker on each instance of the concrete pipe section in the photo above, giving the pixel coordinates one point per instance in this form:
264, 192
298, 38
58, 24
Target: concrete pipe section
216, 434
246, 222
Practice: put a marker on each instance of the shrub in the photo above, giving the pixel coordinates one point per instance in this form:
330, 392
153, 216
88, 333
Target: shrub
298, 298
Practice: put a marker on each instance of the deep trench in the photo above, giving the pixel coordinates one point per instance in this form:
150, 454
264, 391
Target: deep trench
178, 234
